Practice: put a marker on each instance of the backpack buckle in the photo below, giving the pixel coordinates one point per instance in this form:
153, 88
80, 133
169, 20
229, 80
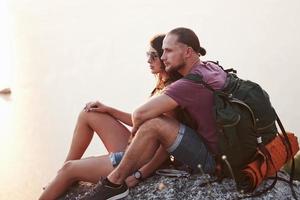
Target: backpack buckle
259, 140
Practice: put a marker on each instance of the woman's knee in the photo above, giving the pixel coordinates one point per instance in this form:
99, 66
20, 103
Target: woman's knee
68, 169
89, 116
83, 116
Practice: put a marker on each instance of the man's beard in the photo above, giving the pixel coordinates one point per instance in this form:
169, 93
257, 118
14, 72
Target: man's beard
176, 67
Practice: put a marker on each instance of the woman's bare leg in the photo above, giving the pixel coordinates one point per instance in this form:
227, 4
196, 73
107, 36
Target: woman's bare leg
90, 170
87, 169
113, 134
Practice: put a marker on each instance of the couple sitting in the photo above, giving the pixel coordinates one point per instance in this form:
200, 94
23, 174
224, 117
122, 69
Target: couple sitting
158, 125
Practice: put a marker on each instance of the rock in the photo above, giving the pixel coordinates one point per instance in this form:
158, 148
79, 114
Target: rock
5, 91
160, 187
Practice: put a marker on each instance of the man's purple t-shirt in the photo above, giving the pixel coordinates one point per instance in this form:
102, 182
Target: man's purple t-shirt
198, 100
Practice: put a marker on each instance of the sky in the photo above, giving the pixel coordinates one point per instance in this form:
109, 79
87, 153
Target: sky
102, 44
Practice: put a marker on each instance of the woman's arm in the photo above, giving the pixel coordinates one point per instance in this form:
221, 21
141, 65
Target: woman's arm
102, 108
120, 115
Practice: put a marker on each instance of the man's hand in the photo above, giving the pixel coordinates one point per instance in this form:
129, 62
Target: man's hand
131, 181
96, 106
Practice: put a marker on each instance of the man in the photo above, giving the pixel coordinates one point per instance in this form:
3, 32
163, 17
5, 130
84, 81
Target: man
182, 53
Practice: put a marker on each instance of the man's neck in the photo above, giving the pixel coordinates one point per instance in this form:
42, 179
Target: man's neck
189, 65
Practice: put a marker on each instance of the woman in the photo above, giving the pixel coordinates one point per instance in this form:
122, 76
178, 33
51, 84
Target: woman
108, 122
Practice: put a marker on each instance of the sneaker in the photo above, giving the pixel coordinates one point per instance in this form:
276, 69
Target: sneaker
102, 191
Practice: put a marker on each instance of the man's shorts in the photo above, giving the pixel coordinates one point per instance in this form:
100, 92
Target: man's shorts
116, 157
189, 149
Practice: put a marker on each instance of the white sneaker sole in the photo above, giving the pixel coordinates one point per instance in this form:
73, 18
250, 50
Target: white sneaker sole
119, 196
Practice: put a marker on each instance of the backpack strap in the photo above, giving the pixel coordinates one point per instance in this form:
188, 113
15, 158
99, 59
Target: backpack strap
267, 156
196, 78
230, 70
288, 152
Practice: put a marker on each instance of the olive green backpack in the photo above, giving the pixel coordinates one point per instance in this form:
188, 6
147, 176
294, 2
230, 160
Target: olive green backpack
243, 112
245, 121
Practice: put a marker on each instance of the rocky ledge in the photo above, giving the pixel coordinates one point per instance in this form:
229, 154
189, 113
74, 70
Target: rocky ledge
161, 187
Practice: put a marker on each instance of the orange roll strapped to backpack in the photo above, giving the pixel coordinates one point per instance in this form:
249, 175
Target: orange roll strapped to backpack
261, 168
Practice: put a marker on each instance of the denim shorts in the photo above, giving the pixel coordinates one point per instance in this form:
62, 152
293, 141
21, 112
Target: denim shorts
116, 157
190, 149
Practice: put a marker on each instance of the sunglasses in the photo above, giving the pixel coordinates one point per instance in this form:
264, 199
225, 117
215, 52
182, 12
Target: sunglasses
152, 55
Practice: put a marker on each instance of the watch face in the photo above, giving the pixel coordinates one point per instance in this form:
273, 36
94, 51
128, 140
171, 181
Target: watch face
138, 175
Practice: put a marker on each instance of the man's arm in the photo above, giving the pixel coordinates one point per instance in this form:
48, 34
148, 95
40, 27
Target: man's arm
151, 109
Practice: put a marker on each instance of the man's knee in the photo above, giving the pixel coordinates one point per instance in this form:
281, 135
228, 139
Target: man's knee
151, 125
160, 127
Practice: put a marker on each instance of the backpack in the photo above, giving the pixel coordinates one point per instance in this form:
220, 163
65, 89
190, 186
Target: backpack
245, 122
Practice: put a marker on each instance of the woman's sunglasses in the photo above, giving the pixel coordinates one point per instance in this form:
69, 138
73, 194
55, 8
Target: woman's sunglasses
152, 55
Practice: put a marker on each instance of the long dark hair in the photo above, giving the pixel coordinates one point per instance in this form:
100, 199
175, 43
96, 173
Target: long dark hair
156, 43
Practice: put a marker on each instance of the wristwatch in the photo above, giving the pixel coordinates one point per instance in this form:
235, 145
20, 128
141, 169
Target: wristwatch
138, 175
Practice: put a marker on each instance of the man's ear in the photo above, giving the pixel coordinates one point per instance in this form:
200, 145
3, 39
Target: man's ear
189, 52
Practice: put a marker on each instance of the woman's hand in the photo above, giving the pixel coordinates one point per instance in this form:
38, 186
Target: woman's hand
96, 106
131, 181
